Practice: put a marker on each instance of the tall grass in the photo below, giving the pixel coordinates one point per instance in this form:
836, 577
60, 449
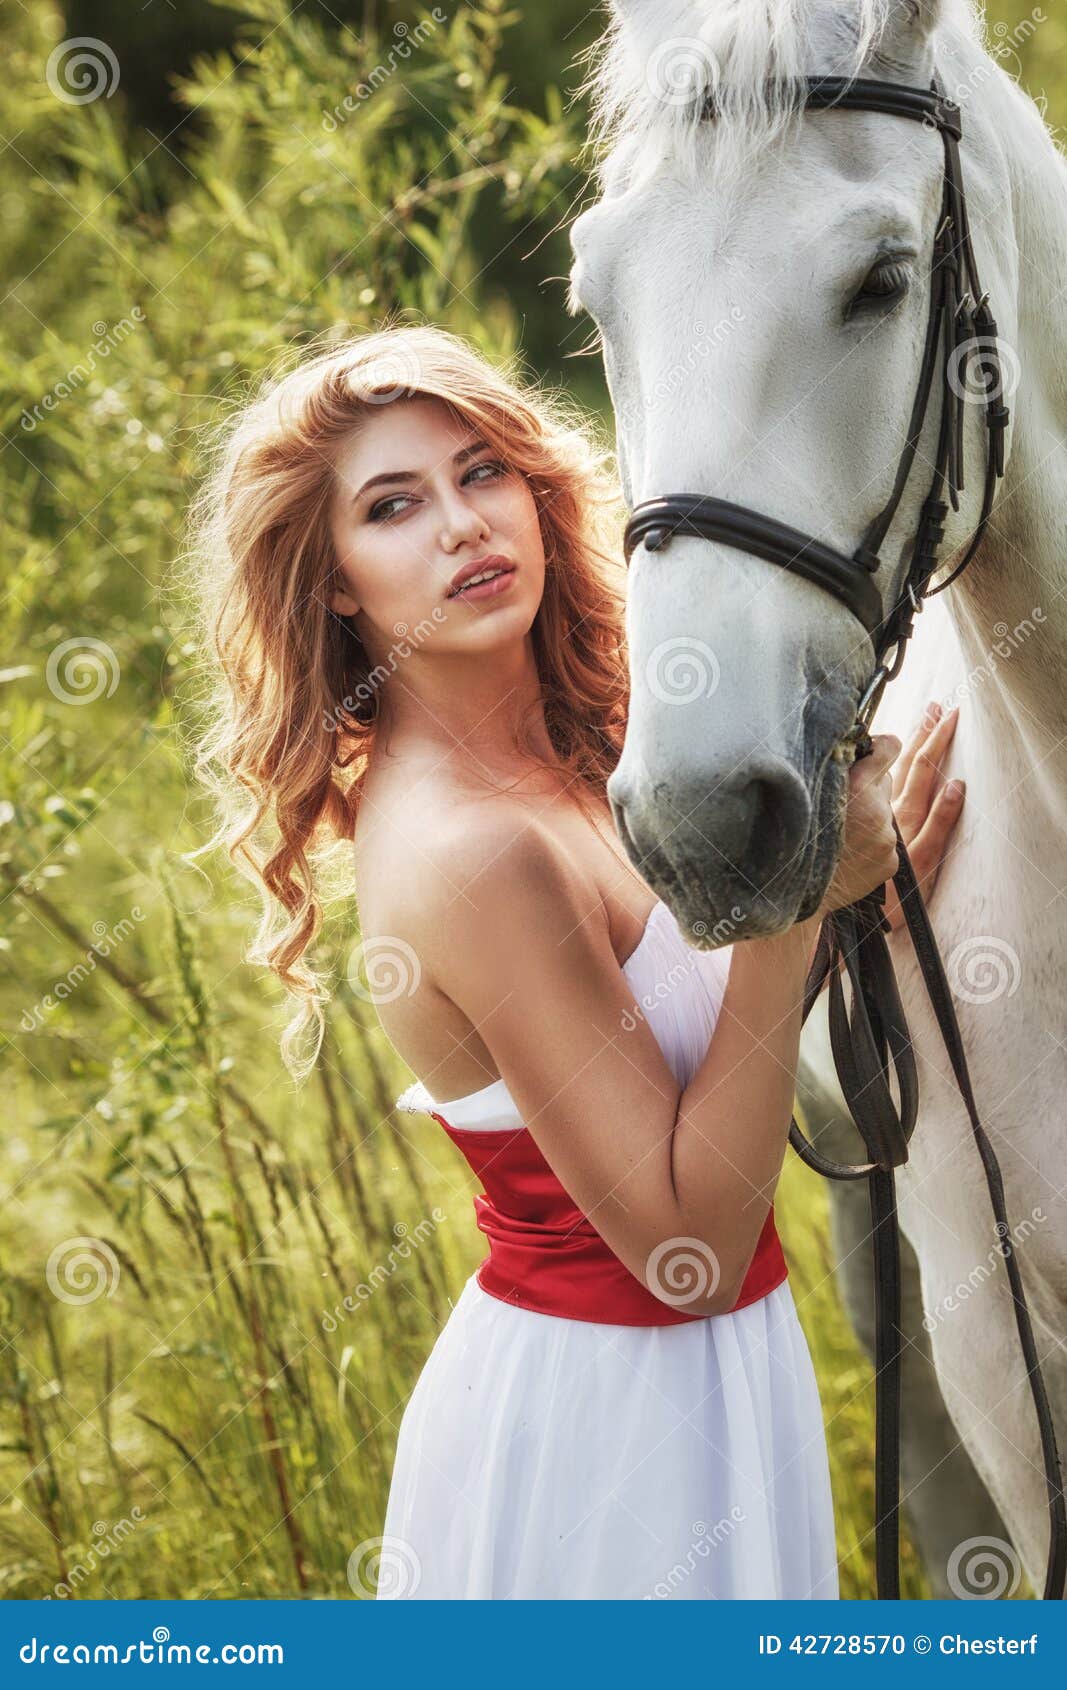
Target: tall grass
214, 1387
216, 1292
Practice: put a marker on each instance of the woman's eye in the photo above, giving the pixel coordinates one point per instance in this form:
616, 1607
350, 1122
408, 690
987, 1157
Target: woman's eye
489, 464
381, 511
885, 283
384, 509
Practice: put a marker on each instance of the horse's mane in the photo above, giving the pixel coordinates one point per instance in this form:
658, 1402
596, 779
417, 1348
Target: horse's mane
649, 73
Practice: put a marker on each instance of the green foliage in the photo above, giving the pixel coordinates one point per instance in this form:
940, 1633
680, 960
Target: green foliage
206, 1387
154, 1116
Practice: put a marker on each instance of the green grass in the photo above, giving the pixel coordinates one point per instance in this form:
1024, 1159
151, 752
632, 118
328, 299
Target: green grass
196, 1417
846, 1382
193, 1428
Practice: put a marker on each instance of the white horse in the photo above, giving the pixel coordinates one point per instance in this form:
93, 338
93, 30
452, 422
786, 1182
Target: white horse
760, 283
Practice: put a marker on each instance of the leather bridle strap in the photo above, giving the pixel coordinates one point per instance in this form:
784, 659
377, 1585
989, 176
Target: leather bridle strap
958, 322
871, 1031
734, 525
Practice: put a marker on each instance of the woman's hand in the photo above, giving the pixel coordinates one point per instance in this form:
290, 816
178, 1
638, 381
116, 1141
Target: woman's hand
926, 808
869, 850
903, 783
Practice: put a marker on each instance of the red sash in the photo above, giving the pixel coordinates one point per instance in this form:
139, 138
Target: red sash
546, 1256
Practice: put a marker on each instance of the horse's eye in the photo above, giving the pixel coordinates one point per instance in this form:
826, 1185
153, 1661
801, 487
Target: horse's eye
884, 284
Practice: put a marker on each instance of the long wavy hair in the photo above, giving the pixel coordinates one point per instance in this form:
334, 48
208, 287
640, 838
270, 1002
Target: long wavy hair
288, 723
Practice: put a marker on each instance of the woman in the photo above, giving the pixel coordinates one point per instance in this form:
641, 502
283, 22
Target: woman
420, 633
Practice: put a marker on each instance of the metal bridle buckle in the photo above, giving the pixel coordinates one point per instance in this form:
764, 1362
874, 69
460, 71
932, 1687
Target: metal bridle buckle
869, 702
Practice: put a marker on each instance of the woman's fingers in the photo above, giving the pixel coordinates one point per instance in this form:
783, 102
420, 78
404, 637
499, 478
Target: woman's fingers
869, 794
928, 848
902, 766
901, 784
914, 794
926, 851
930, 719
877, 766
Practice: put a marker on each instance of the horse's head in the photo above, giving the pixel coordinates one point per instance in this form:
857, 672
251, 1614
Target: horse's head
761, 282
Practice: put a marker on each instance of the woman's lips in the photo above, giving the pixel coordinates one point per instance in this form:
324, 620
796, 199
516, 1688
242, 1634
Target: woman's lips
486, 589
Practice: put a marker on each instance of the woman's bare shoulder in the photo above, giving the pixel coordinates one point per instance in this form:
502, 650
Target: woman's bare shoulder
443, 853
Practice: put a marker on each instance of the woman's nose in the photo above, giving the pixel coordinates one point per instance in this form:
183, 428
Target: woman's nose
462, 521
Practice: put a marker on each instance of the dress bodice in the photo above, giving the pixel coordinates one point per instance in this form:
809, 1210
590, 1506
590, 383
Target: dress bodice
544, 1253
677, 988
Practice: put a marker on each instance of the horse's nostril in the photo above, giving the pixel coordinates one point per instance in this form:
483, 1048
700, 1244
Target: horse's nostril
777, 829
754, 826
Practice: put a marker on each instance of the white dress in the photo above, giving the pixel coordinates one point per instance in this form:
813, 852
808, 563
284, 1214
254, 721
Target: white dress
544, 1457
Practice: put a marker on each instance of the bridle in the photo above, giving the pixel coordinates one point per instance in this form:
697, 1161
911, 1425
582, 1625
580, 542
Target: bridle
961, 323
962, 327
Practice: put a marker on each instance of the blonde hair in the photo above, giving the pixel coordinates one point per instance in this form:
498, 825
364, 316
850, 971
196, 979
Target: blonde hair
290, 717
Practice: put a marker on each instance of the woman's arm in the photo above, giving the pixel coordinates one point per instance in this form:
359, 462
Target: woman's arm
507, 928
733, 1118
759, 1023
525, 952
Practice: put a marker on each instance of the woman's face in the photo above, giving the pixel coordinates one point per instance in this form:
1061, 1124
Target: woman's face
418, 499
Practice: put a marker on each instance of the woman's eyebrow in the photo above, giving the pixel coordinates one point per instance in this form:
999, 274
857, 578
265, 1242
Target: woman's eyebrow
391, 475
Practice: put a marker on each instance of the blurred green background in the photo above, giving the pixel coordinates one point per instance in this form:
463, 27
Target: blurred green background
177, 1417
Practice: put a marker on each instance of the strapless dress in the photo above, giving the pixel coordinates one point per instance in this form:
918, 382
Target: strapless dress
573, 1436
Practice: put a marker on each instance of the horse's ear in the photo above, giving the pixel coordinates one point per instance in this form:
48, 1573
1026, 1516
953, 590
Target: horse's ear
905, 39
